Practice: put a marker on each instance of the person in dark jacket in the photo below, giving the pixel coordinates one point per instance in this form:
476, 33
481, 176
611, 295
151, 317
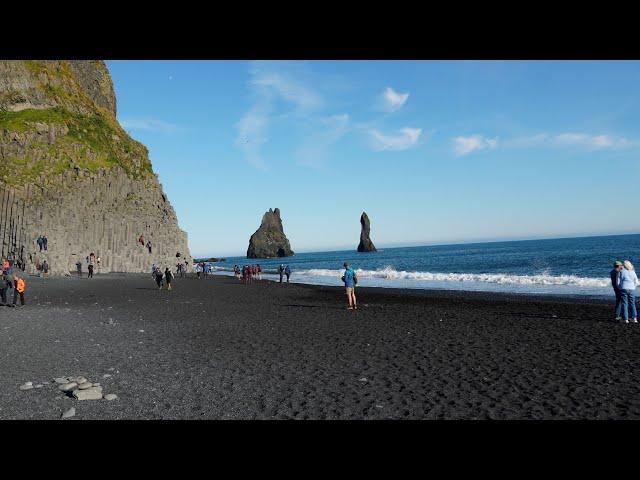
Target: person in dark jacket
5, 284
287, 272
79, 268
617, 266
44, 242
159, 276
149, 245
40, 242
168, 276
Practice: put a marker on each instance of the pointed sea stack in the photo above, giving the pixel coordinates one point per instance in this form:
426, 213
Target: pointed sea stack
366, 245
269, 240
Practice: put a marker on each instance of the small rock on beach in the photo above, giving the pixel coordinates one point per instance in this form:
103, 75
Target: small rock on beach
69, 413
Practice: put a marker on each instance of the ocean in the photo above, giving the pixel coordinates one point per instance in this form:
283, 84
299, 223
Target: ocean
566, 266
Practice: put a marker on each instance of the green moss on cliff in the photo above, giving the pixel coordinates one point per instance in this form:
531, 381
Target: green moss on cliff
92, 142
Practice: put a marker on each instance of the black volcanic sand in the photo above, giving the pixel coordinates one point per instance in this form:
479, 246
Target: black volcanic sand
217, 349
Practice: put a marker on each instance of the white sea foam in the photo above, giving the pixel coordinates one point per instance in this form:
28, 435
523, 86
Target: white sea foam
499, 278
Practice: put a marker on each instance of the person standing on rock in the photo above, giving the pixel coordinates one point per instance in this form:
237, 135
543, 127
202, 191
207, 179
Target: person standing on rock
79, 268
40, 242
350, 280
5, 284
18, 289
169, 276
149, 245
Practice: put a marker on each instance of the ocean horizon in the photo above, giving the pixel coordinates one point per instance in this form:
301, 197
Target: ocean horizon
559, 266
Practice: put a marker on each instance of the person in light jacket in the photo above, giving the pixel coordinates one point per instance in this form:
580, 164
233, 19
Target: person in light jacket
627, 283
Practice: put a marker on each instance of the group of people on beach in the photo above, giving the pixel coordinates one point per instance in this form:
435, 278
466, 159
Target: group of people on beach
18, 284
624, 282
160, 277
248, 273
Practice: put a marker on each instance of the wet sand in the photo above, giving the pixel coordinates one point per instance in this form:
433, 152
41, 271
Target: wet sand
216, 349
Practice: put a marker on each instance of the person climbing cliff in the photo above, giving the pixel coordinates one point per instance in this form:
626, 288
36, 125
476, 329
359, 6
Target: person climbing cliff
45, 242
149, 245
141, 239
45, 268
40, 242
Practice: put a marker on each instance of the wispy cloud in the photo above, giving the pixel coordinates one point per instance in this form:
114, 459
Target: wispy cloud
270, 85
329, 130
149, 124
390, 100
592, 141
404, 138
466, 145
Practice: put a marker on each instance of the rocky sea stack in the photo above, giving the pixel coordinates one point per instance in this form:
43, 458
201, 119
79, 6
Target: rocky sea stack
366, 245
71, 173
269, 240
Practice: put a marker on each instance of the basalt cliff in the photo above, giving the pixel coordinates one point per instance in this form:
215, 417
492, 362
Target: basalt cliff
365, 245
269, 240
70, 172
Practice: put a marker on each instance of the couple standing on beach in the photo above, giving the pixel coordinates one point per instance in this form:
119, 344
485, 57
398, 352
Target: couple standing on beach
624, 282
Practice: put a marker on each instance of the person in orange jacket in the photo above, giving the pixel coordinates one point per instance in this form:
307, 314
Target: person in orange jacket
18, 289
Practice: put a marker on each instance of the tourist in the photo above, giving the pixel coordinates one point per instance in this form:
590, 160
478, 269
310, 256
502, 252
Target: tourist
287, 272
627, 283
44, 242
259, 271
168, 275
40, 242
617, 266
159, 276
197, 269
350, 280
79, 268
5, 284
236, 271
141, 239
45, 268
5, 265
281, 272
18, 289
149, 245
90, 267
98, 262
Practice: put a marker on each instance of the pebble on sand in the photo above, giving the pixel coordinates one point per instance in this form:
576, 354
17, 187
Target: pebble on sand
80, 380
26, 387
67, 387
106, 375
93, 393
110, 396
85, 385
60, 380
69, 413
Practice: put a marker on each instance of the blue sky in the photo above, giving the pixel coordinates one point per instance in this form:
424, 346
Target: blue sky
433, 151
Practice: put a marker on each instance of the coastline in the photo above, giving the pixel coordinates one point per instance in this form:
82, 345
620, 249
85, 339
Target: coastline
217, 349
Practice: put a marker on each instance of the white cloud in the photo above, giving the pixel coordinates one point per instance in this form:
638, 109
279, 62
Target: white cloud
390, 100
270, 82
313, 153
149, 124
404, 139
466, 145
591, 141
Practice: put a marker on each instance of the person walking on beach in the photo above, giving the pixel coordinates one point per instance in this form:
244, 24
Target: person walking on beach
90, 267
281, 271
159, 276
350, 280
169, 276
5, 284
287, 272
18, 289
627, 283
617, 266
79, 268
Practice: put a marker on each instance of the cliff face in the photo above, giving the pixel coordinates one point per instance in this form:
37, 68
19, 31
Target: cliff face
365, 245
269, 240
70, 172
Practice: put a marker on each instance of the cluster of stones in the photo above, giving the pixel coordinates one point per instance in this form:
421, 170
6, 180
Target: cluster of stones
79, 388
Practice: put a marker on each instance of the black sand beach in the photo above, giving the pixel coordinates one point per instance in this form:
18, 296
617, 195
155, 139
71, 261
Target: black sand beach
216, 349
